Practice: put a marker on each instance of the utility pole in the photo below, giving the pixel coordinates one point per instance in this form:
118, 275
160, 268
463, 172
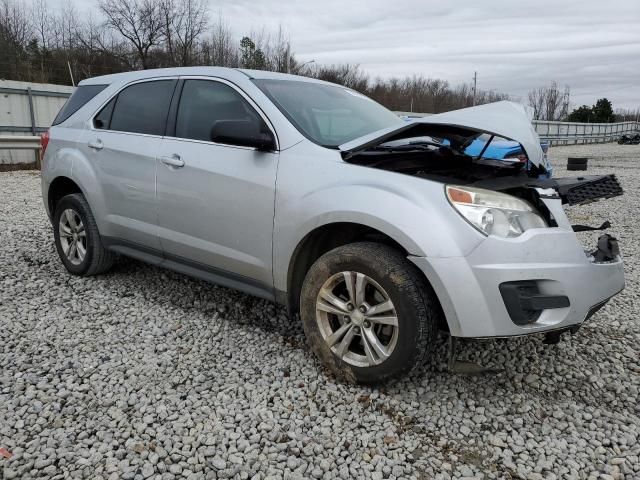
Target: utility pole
71, 74
475, 84
565, 106
288, 57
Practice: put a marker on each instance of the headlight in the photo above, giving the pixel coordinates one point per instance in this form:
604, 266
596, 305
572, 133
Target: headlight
494, 213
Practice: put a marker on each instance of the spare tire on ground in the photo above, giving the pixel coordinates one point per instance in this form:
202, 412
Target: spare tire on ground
577, 163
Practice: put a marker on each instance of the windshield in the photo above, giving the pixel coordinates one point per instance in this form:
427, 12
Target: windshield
329, 115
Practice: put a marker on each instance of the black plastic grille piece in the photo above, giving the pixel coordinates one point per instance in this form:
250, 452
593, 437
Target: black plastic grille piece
525, 303
592, 311
606, 186
512, 293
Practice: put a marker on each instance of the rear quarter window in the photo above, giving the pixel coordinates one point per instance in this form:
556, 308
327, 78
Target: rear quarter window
82, 95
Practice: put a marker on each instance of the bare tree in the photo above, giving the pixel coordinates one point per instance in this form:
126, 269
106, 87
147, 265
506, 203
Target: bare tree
15, 27
627, 115
549, 103
41, 21
15, 33
345, 74
183, 24
37, 44
277, 51
96, 42
221, 49
67, 25
139, 21
536, 101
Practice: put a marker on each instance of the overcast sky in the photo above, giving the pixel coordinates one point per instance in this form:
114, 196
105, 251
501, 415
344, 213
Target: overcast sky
591, 45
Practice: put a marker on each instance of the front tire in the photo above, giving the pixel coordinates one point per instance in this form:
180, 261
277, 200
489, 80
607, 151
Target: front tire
77, 238
368, 313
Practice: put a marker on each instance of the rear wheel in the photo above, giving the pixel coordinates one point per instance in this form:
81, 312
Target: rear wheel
368, 313
77, 238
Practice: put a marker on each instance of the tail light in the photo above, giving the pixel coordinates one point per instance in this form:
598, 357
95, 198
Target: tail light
44, 142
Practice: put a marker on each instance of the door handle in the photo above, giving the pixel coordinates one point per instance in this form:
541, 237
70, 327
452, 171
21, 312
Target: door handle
173, 161
96, 145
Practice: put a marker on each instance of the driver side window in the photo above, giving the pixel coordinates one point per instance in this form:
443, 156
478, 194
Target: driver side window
204, 102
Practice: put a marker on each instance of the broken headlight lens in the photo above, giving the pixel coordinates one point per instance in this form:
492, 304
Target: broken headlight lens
494, 213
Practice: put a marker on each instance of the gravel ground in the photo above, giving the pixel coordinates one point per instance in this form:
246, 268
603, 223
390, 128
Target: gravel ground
143, 373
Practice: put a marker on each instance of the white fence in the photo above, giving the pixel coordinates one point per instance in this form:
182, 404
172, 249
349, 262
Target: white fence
27, 109
566, 133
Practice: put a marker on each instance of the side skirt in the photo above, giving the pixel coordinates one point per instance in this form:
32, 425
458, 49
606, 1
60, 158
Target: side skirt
189, 267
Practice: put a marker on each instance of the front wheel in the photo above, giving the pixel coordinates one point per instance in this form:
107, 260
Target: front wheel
368, 313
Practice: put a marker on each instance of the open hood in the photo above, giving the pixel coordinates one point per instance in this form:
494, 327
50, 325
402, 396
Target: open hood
504, 119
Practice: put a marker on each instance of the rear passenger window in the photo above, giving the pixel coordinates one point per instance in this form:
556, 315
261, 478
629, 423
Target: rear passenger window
142, 108
204, 102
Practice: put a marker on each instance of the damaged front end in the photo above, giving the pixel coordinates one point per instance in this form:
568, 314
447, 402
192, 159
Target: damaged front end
519, 284
437, 148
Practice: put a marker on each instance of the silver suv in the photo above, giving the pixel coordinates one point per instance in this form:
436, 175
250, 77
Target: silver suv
375, 230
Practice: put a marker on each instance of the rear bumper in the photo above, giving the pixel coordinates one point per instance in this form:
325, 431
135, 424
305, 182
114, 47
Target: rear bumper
469, 287
44, 185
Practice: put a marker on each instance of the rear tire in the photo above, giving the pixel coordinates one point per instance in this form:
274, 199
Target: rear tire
386, 318
77, 238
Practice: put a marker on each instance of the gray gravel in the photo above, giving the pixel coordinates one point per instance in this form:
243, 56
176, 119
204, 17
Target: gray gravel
143, 373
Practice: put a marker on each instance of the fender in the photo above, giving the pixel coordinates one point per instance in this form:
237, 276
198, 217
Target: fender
414, 212
83, 173
59, 164
64, 159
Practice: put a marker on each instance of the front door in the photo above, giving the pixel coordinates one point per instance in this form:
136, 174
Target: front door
216, 201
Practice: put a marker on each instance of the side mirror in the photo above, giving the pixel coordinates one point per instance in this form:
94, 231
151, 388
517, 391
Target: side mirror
244, 133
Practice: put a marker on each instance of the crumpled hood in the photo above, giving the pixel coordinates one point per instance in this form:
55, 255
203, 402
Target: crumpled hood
505, 119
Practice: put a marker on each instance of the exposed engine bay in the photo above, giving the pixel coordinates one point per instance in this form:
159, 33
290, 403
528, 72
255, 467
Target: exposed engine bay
440, 153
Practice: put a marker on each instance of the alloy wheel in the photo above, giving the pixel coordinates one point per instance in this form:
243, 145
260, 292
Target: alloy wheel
73, 237
357, 319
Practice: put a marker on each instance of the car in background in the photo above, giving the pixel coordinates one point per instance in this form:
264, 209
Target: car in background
503, 149
498, 149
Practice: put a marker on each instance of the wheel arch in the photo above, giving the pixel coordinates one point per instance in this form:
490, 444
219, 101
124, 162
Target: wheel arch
70, 171
323, 239
59, 188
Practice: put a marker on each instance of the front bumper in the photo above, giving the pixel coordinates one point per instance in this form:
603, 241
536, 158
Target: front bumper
469, 287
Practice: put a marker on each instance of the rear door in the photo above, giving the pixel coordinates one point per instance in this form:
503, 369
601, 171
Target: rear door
123, 145
216, 201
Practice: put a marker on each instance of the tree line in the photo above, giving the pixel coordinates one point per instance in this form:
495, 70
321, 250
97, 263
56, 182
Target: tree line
39, 44
552, 103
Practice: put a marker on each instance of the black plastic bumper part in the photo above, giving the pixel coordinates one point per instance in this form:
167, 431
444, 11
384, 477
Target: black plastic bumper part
581, 190
525, 303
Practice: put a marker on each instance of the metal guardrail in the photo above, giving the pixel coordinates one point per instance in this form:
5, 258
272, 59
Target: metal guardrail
35, 93
22, 142
564, 133
24, 108
578, 139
